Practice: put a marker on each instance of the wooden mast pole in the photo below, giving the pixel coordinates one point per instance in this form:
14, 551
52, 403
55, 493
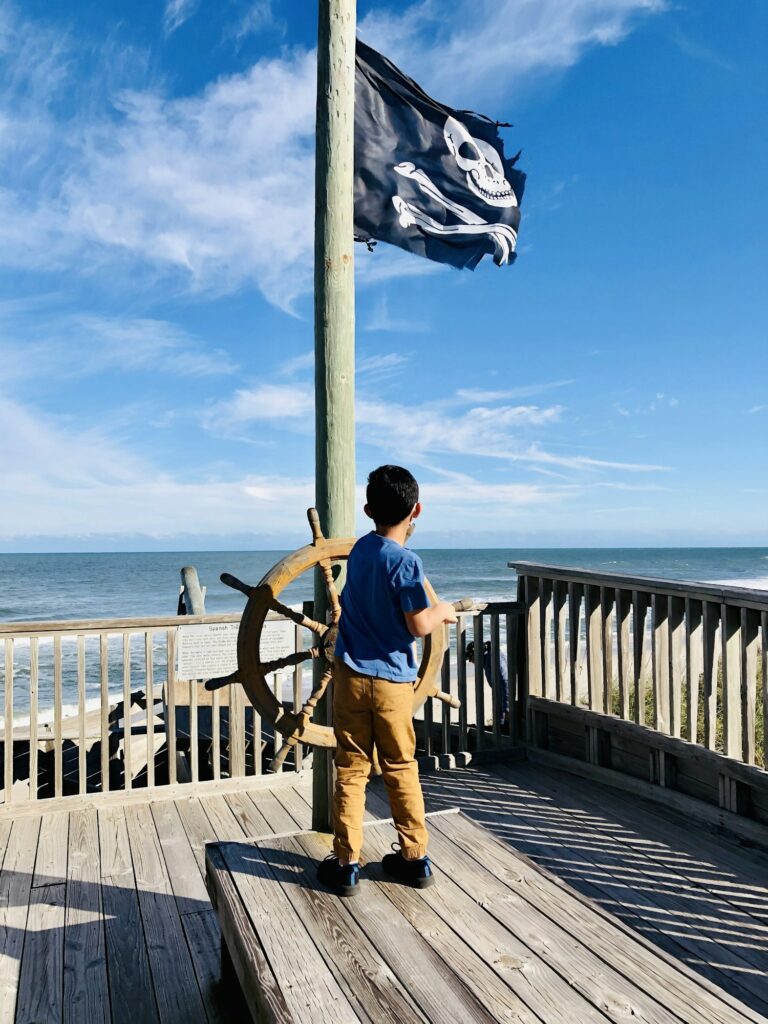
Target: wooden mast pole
334, 318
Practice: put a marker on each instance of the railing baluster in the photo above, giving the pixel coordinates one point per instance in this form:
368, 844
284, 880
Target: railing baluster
711, 626
461, 680
104, 696
593, 616
445, 684
127, 714
237, 734
547, 622
495, 679
606, 617
623, 600
694, 663
510, 630
750, 636
149, 676
193, 731
428, 722
34, 669
764, 667
560, 602
731, 673
170, 702
639, 615
298, 677
58, 773
82, 764
534, 667
216, 733
477, 636
8, 733
660, 655
676, 616
575, 593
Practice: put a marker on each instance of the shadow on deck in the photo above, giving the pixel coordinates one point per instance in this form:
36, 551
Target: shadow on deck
104, 914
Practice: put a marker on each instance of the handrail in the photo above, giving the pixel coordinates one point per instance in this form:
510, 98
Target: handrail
684, 659
744, 596
44, 627
94, 705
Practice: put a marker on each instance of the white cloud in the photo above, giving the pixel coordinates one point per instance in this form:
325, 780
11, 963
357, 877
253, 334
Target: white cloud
526, 391
382, 319
265, 402
415, 433
477, 47
256, 17
213, 191
176, 13
63, 482
87, 344
376, 370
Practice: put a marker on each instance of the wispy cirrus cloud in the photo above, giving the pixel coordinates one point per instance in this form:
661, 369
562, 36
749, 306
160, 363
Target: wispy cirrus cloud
452, 428
84, 344
476, 47
176, 13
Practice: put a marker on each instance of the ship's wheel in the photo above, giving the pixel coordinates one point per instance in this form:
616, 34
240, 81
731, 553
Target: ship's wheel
297, 726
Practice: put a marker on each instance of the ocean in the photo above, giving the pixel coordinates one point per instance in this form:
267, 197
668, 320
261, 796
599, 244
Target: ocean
39, 587
95, 586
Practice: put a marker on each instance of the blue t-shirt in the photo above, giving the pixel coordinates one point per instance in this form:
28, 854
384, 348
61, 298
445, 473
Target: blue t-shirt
384, 579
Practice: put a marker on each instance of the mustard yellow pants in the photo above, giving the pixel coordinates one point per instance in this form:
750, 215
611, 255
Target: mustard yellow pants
368, 711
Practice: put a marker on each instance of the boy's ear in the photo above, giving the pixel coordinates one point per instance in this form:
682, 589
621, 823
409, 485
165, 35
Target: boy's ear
416, 510
367, 511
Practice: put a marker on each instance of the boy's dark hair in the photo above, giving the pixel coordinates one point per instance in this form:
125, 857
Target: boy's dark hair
391, 494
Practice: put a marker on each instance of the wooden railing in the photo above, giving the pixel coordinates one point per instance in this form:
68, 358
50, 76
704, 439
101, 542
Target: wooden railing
95, 706
478, 728
685, 660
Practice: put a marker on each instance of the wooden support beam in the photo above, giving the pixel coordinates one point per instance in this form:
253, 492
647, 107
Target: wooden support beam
334, 318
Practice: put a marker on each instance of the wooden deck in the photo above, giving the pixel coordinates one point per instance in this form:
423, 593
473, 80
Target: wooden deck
104, 915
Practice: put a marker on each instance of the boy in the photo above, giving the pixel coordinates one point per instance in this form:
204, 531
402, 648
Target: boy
384, 607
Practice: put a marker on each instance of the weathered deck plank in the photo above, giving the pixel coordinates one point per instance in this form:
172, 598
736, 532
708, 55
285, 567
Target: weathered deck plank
518, 954
364, 976
15, 888
86, 987
42, 965
174, 979
131, 993
309, 988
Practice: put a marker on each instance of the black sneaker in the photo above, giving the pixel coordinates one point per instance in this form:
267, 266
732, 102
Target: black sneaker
417, 873
344, 881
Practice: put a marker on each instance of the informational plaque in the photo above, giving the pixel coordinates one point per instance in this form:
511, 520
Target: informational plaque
209, 650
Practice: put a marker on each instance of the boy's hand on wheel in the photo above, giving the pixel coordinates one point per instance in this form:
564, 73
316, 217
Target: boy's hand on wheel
447, 612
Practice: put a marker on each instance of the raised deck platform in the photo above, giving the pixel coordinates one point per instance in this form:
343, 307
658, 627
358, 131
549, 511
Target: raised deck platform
497, 939
104, 914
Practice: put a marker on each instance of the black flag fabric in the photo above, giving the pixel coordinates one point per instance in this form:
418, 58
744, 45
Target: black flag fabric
428, 178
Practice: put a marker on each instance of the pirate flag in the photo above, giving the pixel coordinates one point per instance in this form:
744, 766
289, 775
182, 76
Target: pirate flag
428, 178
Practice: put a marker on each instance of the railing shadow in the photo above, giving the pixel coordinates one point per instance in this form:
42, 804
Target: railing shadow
702, 910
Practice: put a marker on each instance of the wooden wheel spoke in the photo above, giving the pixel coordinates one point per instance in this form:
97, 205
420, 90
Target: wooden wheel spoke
316, 694
289, 661
331, 591
298, 617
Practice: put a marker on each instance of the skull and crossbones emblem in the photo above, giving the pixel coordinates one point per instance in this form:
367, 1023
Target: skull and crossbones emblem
482, 167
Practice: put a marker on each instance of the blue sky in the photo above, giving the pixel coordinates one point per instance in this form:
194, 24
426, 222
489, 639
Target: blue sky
155, 275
